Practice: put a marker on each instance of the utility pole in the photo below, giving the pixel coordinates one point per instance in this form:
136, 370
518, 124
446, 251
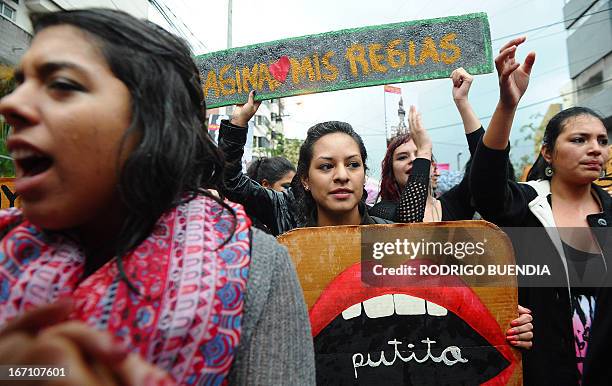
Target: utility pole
229, 109
229, 24
387, 136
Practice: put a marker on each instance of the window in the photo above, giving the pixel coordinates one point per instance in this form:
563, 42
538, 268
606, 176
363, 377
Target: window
261, 120
7, 11
262, 142
592, 86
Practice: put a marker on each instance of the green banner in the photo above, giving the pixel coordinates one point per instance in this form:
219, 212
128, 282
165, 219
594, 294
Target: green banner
359, 57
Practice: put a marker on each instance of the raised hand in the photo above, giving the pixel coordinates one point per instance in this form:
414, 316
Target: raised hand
419, 134
462, 81
243, 113
513, 76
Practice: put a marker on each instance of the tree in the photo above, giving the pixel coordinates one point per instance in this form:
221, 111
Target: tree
535, 132
7, 80
287, 147
530, 132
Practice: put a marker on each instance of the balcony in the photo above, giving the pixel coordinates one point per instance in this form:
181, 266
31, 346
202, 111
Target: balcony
41, 5
591, 41
573, 9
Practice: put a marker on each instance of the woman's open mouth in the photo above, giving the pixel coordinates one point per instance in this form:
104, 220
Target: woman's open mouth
406, 335
30, 164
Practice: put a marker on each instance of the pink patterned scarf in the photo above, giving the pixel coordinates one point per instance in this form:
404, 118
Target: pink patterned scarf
187, 319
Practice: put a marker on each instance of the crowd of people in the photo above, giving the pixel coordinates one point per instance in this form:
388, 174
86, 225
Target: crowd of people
122, 265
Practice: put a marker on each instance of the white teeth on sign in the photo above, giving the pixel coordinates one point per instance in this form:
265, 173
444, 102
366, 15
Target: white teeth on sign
401, 304
436, 310
379, 306
352, 312
408, 305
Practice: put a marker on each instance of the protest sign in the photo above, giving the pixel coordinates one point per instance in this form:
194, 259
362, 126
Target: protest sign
606, 181
359, 57
450, 333
7, 192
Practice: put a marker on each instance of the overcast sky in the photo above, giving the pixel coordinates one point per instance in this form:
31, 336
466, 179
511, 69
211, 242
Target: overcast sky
266, 20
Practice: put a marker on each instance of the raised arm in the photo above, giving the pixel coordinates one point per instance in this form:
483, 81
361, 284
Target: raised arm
496, 197
462, 81
265, 204
457, 201
513, 82
413, 200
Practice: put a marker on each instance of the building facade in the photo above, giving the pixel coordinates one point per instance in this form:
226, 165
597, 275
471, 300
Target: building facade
16, 29
268, 127
589, 49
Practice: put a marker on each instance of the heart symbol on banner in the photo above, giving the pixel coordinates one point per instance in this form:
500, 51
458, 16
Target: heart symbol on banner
280, 68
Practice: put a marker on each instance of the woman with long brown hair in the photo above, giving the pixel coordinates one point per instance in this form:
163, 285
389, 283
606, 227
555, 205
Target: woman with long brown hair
120, 266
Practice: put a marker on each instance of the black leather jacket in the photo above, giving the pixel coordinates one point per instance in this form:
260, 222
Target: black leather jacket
272, 208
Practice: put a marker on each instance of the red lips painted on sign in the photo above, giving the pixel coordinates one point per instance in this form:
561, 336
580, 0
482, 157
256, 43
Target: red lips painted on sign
280, 68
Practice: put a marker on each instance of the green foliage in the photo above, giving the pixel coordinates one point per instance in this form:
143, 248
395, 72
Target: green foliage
7, 84
7, 80
287, 147
6, 165
530, 132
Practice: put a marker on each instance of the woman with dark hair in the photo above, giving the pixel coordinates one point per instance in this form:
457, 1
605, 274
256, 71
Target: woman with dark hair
573, 312
272, 172
407, 179
117, 231
318, 195
330, 177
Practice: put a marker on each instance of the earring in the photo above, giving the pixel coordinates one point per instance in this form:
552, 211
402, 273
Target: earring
306, 188
548, 171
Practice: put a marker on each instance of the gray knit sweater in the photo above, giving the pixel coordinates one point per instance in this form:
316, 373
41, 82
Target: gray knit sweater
276, 345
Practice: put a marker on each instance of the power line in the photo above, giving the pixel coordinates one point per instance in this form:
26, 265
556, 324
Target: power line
179, 31
518, 108
448, 105
529, 105
549, 25
163, 14
187, 28
377, 133
540, 74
